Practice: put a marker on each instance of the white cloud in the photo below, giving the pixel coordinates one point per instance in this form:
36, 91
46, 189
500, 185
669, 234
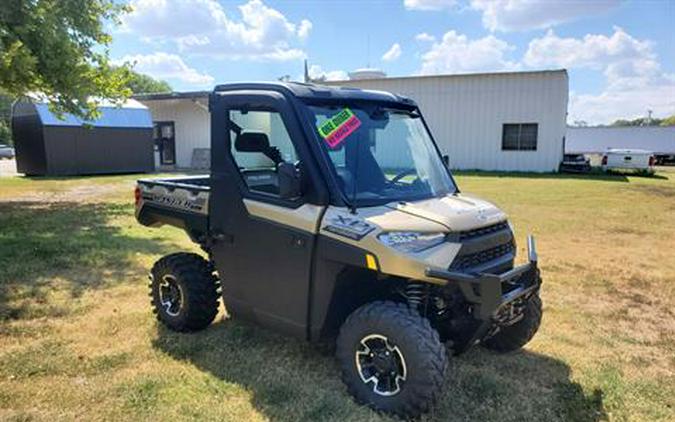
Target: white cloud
202, 27
517, 15
429, 4
424, 37
613, 104
634, 78
316, 73
393, 53
167, 66
456, 53
304, 28
594, 51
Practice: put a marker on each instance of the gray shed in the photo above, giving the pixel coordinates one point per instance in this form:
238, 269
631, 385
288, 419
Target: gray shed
120, 141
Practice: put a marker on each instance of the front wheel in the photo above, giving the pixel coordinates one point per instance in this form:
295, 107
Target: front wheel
184, 292
391, 358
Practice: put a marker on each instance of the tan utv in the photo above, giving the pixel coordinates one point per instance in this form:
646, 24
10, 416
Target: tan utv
330, 215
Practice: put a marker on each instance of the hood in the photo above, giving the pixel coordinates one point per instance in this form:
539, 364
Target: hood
455, 212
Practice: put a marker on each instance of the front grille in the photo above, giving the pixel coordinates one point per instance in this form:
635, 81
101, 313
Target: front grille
472, 234
463, 262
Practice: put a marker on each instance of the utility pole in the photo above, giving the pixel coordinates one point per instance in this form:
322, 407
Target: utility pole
307, 78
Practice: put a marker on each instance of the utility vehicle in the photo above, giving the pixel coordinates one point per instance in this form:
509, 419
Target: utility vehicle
330, 215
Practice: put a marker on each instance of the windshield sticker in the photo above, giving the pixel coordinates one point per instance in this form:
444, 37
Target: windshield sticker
336, 129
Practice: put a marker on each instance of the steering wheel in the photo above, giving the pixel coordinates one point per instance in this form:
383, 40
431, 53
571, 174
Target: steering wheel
403, 174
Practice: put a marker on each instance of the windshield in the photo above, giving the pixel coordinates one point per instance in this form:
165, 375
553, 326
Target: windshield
381, 154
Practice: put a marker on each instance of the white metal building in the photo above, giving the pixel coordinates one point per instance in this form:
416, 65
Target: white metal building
596, 140
182, 128
493, 121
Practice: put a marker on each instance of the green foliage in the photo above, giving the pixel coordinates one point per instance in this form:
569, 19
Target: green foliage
144, 84
5, 133
5, 121
59, 48
668, 121
643, 121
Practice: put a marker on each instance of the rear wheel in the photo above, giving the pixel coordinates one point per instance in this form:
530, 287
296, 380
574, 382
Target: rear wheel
184, 292
391, 358
515, 336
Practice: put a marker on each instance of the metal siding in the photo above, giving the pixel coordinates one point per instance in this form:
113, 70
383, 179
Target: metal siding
660, 140
82, 150
466, 114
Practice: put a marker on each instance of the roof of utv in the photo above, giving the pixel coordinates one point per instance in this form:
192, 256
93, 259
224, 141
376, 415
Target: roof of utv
307, 91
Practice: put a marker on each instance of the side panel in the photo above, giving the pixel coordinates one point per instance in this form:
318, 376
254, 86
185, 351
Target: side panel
263, 249
72, 150
61, 148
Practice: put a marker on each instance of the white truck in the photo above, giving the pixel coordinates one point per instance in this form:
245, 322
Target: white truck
629, 159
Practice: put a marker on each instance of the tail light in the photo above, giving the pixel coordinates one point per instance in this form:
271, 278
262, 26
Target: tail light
604, 160
137, 195
652, 160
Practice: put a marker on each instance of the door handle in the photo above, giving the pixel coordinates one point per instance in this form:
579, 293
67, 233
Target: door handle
298, 242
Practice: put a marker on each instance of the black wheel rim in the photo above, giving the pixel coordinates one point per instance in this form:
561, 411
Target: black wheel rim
170, 295
380, 365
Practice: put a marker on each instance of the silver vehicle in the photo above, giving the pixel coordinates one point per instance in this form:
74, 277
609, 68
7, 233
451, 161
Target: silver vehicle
6, 151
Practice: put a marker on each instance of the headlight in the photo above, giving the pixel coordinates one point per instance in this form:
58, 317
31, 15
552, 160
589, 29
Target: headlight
411, 242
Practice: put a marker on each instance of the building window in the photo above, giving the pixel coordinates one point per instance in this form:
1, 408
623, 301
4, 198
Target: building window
519, 137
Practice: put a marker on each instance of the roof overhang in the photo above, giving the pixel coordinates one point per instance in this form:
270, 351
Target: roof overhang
190, 95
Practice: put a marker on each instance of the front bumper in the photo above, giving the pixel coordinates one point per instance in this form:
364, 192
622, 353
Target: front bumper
492, 293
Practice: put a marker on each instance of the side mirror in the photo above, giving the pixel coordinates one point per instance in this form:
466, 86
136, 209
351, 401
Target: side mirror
252, 142
290, 181
446, 160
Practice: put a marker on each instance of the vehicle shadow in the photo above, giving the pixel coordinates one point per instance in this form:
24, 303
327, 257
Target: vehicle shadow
291, 380
50, 249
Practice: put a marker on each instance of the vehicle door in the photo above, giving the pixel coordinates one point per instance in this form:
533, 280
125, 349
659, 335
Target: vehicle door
264, 236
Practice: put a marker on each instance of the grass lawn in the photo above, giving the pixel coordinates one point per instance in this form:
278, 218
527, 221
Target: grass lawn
78, 340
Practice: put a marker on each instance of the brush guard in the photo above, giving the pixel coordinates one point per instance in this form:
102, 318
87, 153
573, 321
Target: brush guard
493, 295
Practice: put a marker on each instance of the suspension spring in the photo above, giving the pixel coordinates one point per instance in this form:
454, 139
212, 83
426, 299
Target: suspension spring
414, 293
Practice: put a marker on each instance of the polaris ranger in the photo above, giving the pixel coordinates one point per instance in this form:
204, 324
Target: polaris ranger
330, 215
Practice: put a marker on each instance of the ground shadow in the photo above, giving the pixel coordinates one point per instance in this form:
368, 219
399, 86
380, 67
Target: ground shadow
62, 246
291, 380
594, 175
57, 178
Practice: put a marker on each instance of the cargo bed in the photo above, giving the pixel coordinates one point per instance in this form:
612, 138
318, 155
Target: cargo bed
178, 201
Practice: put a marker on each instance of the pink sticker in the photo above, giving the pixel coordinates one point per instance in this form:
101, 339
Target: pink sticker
341, 133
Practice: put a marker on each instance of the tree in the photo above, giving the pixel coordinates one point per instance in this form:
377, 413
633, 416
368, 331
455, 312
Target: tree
668, 121
59, 48
144, 84
640, 121
5, 123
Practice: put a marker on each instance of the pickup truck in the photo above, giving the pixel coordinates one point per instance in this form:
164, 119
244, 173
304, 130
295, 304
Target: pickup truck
6, 152
329, 214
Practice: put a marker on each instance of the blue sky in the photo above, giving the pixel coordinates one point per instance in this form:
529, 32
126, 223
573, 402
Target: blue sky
620, 54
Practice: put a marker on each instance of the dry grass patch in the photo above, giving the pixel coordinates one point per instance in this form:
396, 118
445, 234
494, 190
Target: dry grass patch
78, 341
